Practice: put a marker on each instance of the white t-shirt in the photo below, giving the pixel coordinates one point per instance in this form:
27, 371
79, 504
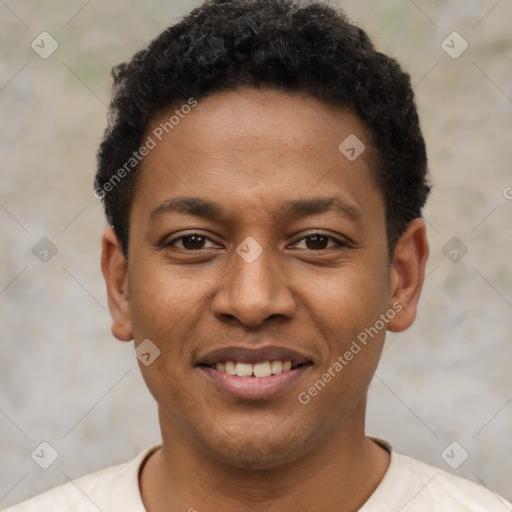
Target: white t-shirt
408, 486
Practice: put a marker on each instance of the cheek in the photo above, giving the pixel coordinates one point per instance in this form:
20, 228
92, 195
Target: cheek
348, 309
159, 298
353, 337
163, 307
167, 305
349, 298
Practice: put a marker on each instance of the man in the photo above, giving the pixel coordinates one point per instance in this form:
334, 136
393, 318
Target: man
263, 174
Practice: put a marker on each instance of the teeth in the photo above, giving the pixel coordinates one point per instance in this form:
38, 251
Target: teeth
276, 367
262, 369
265, 369
230, 367
243, 369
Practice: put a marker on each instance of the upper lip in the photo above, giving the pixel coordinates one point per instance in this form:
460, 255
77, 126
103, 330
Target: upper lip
253, 355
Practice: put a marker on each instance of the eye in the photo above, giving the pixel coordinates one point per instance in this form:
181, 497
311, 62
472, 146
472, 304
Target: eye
320, 241
314, 241
194, 241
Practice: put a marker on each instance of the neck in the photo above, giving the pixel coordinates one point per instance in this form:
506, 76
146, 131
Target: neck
340, 473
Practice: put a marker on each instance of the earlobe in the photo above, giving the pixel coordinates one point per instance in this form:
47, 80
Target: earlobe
115, 273
408, 274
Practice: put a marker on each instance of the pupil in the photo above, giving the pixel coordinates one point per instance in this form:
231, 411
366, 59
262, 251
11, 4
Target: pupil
193, 242
318, 242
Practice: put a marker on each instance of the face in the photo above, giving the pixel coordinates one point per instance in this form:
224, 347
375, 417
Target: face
257, 247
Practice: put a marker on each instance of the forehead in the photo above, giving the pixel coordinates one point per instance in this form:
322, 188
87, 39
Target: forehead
257, 146
260, 116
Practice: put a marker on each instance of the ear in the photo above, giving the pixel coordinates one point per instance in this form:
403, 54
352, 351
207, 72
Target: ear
408, 274
115, 273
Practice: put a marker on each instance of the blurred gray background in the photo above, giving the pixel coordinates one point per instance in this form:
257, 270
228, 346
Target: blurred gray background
66, 381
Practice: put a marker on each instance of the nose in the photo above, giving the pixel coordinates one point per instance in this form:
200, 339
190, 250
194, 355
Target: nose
252, 292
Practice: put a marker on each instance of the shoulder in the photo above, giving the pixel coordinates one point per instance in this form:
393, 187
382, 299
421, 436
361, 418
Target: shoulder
411, 485
83, 494
114, 488
434, 486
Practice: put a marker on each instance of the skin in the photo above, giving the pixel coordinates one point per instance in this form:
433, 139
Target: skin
251, 151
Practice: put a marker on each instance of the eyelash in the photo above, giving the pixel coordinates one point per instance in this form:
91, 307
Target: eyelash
337, 242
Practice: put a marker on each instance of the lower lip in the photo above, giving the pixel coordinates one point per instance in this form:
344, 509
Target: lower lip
254, 388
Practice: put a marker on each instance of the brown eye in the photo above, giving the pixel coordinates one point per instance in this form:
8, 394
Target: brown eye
319, 242
191, 242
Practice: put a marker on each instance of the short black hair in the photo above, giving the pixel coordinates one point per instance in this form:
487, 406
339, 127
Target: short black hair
292, 46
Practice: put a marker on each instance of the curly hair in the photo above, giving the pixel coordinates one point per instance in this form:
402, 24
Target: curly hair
288, 45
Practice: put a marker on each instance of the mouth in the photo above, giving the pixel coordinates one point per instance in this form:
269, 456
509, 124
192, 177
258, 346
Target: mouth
253, 374
258, 370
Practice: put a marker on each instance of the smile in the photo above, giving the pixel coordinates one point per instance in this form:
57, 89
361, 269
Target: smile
249, 373
259, 370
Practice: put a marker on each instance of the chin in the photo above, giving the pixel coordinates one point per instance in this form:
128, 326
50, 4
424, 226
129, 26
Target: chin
257, 450
250, 456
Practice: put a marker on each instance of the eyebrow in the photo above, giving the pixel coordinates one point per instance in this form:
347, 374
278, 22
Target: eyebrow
292, 209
